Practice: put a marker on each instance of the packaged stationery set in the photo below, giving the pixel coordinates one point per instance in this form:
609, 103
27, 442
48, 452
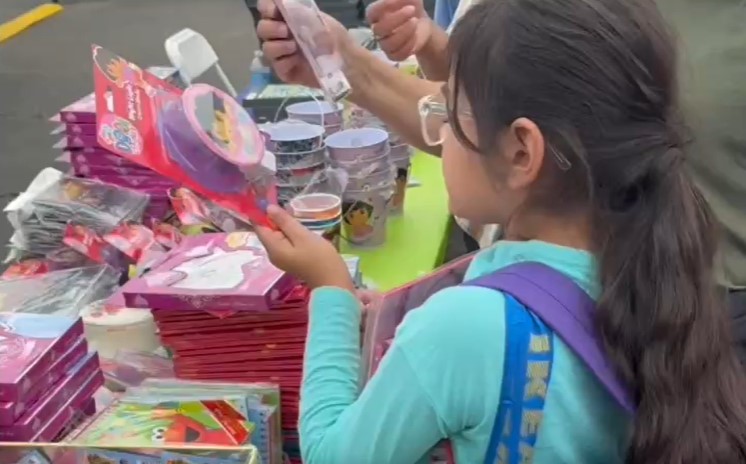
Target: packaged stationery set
47, 376
199, 138
179, 415
212, 271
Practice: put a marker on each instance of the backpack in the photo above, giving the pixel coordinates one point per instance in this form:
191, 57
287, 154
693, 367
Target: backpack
540, 302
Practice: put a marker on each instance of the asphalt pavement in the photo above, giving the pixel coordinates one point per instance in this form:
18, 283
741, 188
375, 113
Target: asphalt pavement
49, 65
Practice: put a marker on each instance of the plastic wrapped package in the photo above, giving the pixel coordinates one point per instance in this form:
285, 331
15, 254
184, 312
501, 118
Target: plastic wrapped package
62, 293
386, 311
199, 138
96, 205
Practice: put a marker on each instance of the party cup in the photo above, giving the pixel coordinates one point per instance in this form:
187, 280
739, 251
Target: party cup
364, 215
316, 207
382, 176
294, 137
352, 145
298, 176
302, 159
316, 112
402, 169
332, 129
331, 234
401, 151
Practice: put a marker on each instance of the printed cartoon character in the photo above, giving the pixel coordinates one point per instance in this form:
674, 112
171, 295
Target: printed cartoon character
189, 208
237, 239
117, 69
96, 459
217, 120
220, 270
75, 191
401, 187
358, 217
184, 429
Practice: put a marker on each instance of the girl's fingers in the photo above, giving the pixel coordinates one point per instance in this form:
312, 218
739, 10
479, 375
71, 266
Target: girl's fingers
293, 230
391, 22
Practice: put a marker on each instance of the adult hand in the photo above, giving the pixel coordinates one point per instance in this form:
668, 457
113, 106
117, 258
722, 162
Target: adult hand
302, 253
402, 27
281, 49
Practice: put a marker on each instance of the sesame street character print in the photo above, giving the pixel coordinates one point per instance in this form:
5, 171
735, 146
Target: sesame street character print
184, 429
358, 219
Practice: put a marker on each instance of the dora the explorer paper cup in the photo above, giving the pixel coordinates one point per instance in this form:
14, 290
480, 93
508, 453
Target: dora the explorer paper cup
364, 215
402, 168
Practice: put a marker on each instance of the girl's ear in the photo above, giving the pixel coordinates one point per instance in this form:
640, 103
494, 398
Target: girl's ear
523, 146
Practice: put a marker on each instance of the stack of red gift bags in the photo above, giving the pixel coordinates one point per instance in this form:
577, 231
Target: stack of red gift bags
226, 314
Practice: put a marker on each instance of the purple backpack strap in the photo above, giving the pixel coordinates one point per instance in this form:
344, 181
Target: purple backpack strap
566, 309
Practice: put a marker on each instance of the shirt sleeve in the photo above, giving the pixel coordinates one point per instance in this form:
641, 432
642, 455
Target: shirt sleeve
396, 418
392, 420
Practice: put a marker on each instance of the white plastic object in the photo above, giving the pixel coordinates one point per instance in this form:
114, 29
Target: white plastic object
191, 53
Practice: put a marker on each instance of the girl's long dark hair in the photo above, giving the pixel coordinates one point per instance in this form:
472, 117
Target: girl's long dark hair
599, 79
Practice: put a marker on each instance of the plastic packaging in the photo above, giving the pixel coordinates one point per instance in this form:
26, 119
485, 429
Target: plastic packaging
261, 74
317, 44
62, 293
200, 138
386, 311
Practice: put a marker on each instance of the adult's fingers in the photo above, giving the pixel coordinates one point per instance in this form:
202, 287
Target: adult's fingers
378, 9
393, 21
268, 9
277, 49
402, 40
269, 29
288, 225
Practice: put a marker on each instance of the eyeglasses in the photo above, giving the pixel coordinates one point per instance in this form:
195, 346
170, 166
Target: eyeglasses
433, 111
433, 117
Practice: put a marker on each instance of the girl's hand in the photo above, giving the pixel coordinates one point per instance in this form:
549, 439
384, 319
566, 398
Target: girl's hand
302, 253
402, 27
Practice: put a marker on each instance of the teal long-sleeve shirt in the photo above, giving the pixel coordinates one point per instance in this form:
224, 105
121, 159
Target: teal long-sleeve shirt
442, 378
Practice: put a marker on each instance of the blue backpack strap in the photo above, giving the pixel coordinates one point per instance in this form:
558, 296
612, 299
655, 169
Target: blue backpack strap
567, 310
526, 373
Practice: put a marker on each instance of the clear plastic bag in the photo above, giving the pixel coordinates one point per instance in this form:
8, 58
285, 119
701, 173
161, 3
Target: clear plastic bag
62, 293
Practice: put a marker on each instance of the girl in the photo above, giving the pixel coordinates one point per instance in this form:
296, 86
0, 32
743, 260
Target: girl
561, 123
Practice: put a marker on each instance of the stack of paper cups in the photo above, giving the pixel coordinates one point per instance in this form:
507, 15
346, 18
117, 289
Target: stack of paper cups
320, 113
364, 154
319, 212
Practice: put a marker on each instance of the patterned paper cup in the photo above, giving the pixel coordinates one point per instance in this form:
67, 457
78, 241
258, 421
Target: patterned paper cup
364, 167
332, 129
316, 112
352, 145
298, 175
402, 169
316, 207
364, 215
302, 159
402, 151
289, 137
383, 176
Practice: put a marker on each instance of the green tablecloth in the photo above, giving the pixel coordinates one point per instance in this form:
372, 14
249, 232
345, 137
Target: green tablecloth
416, 241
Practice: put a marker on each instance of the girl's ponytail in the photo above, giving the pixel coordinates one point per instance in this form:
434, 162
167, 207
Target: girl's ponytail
662, 322
598, 77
